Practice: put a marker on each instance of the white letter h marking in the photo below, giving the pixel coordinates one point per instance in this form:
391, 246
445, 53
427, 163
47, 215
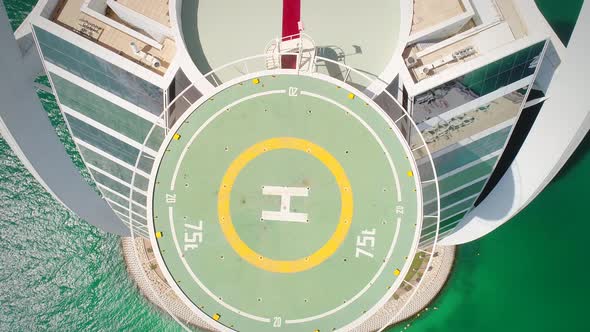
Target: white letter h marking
285, 213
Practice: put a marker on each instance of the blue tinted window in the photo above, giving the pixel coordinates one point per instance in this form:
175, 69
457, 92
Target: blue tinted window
446, 201
105, 112
100, 72
139, 198
106, 164
450, 212
471, 152
141, 182
110, 183
115, 198
481, 81
103, 141
145, 163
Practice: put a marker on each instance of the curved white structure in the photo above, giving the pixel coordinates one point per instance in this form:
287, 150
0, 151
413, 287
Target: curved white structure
468, 89
561, 125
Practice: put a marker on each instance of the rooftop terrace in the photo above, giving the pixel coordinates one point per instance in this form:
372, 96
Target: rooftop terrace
109, 30
451, 32
156, 10
428, 13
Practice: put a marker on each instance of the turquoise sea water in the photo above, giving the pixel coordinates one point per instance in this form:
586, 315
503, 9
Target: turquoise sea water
57, 273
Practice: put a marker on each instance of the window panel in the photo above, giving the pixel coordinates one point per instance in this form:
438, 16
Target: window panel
455, 197
471, 152
156, 138
445, 225
448, 129
105, 164
139, 219
476, 84
119, 209
429, 192
103, 141
140, 198
138, 209
470, 174
110, 183
489, 86
100, 72
145, 163
457, 180
115, 198
141, 182
456, 209
101, 110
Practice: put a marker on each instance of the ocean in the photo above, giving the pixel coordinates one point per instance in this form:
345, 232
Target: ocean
58, 273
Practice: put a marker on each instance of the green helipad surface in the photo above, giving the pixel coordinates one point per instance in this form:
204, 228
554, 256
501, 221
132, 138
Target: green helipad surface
285, 203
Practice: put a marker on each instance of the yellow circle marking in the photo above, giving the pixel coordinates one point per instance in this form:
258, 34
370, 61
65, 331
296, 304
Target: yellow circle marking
280, 266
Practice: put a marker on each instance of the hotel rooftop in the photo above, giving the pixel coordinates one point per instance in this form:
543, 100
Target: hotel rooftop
138, 30
446, 34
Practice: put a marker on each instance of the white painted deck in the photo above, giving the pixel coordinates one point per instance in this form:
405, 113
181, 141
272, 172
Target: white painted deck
359, 35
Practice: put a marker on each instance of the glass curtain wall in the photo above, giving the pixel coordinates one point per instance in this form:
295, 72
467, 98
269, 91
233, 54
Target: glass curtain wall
466, 123
100, 72
109, 136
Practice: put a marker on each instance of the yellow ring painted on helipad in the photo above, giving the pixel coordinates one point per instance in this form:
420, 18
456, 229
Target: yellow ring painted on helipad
280, 266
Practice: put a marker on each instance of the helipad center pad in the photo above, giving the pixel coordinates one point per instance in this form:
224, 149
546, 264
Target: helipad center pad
285, 203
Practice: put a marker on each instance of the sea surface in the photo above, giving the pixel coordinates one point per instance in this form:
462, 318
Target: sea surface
58, 273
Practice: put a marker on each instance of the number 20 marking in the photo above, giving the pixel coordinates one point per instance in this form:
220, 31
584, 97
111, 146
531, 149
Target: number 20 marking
277, 322
293, 91
366, 239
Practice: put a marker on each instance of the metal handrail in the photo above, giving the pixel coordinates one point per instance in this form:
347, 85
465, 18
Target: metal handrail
150, 287
290, 37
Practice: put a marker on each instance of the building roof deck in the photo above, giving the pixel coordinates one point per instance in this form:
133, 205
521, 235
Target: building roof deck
70, 15
499, 23
156, 10
428, 13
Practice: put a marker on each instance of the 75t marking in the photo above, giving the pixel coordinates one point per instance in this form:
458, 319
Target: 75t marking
365, 243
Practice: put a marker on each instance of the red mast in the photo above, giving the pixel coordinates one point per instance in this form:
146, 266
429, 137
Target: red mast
291, 18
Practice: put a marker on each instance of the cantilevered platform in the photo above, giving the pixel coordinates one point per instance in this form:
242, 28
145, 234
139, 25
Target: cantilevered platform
285, 203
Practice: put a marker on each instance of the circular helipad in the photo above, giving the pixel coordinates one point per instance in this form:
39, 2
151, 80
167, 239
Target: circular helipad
285, 203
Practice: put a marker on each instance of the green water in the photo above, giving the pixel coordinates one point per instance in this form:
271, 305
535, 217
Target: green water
57, 273
529, 275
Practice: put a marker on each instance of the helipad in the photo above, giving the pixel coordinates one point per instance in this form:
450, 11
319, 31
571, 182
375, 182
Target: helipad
285, 203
